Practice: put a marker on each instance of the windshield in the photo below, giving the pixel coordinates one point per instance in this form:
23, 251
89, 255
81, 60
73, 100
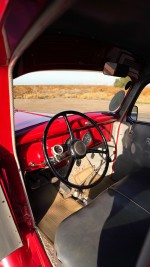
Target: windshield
55, 91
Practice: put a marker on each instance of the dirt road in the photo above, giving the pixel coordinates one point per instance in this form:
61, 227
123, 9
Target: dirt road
56, 105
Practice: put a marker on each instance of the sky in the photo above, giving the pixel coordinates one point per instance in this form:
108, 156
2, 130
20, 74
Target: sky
64, 78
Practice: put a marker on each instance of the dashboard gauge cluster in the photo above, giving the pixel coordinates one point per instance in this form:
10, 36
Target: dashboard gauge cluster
87, 138
57, 150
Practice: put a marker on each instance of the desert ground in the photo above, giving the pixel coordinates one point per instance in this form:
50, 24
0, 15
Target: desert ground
56, 98
53, 106
59, 104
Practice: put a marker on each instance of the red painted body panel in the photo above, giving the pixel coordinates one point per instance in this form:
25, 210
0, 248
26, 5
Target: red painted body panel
3, 7
31, 254
16, 194
3, 43
14, 190
26, 119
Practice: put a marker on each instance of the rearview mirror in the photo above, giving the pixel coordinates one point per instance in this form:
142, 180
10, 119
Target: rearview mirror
115, 69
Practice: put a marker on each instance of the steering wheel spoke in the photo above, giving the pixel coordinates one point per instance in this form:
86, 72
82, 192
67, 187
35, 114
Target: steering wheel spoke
98, 151
71, 164
69, 127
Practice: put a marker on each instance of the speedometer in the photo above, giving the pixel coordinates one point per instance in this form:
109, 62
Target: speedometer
87, 138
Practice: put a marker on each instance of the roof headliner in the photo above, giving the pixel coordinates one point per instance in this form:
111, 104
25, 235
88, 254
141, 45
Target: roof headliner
90, 26
123, 23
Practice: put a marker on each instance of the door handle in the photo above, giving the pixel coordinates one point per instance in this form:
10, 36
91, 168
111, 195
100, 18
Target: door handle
130, 129
148, 141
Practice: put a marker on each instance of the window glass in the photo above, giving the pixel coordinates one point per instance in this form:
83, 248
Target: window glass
55, 91
143, 105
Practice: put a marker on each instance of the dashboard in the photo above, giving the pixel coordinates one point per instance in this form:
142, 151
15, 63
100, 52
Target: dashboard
29, 135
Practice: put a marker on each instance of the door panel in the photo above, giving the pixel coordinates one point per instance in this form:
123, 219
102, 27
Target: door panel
134, 149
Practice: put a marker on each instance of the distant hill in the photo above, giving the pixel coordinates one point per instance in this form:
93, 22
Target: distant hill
98, 92
65, 91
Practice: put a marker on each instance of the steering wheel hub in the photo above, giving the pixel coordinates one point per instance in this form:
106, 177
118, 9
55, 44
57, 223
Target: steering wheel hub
79, 149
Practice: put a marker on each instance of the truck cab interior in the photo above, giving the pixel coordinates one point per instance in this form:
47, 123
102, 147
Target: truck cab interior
85, 175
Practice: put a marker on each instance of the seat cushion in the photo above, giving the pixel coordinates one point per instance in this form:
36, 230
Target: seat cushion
111, 230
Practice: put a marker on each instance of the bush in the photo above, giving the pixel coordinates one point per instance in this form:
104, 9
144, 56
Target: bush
121, 82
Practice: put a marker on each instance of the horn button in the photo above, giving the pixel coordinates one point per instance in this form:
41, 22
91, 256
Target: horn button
78, 149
